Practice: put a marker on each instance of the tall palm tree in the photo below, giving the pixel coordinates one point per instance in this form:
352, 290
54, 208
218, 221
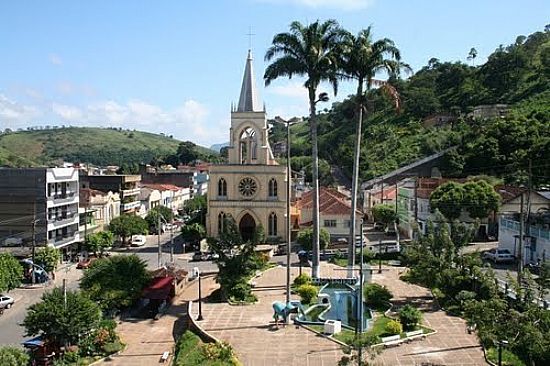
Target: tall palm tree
309, 51
361, 60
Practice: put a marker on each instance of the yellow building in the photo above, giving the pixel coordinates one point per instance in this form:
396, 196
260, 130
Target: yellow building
250, 188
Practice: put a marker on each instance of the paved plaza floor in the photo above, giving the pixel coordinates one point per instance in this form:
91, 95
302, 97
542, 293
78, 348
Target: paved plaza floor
257, 341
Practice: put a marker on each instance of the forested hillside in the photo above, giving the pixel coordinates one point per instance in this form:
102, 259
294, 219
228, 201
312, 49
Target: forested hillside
517, 75
101, 146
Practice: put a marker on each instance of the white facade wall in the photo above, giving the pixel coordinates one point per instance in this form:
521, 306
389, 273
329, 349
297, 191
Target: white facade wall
536, 247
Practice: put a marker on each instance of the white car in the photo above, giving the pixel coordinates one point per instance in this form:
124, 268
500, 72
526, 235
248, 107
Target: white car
138, 240
6, 302
498, 255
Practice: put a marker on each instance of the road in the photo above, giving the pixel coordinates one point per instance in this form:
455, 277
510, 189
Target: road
12, 333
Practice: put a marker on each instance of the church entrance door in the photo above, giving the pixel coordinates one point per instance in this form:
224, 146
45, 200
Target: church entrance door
247, 226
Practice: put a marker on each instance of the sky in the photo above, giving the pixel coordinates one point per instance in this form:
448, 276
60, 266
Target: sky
176, 66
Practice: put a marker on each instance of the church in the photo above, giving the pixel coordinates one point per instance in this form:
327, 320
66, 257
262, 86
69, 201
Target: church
250, 187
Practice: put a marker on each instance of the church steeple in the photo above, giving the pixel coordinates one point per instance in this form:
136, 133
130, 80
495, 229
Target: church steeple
248, 101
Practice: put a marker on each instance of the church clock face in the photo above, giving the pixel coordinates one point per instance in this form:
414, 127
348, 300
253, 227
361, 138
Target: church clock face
248, 187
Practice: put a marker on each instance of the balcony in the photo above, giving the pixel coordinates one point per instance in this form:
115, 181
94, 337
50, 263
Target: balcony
130, 192
56, 222
130, 205
65, 239
58, 198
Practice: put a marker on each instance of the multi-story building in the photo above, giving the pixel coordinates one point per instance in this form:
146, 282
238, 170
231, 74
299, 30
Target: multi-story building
99, 208
39, 203
193, 178
171, 196
127, 186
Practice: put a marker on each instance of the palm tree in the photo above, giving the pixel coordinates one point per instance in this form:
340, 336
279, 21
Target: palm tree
310, 51
361, 60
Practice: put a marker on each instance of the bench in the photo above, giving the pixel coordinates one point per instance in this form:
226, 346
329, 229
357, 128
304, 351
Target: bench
391, 340
415, 334
164, 357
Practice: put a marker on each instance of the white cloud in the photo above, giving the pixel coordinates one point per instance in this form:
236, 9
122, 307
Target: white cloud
346, 5
55, 59
67, 112
14, 114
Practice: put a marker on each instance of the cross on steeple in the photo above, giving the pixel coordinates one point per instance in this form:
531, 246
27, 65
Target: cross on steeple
250, 34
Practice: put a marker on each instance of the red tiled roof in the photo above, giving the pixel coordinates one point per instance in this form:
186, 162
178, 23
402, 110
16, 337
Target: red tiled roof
162, 187
508, 193
331, 202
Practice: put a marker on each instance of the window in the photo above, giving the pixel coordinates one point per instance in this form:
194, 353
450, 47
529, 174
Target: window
330, 223
272, 188
272, 224
222, 188
221, 222
347, 223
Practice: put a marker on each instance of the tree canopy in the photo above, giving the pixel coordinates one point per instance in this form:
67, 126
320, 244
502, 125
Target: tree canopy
152, 218
127, 225
48, 257
116, 282
11, 272
193, 232
305, 238
384, 214
98, 242
12, 356
59, 322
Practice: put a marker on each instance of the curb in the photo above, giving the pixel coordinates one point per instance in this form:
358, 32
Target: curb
324, 335
486, 358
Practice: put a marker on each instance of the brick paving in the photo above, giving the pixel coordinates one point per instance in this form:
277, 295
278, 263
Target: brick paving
146, 340
452, 345
257, 341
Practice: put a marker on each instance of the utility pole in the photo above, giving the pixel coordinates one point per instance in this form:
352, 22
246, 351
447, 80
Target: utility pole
65, 293
158, 241
288, 221
520, 251
33, 280
172, 243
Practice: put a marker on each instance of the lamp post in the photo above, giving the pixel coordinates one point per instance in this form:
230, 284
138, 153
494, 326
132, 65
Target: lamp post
288, 186
380, 256
199, 318
500, 344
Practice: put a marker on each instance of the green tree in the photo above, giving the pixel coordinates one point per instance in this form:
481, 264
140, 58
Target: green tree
12, 356
193, 233
310, 51
409, 316
480, 199
361, 60
11, 272
472, 55
448, 198
98, 242
127, 225
48, 257
376, 295
305, 238
116, 282
384, 214
152, 218
60, 322
195, 208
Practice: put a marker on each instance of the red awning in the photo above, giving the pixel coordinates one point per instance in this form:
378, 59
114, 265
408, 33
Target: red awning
159, 288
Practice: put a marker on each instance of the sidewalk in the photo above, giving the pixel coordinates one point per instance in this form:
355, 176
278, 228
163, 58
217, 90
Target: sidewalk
146, 340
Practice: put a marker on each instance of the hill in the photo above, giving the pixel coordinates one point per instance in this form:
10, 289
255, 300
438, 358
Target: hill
517, 75
101, 146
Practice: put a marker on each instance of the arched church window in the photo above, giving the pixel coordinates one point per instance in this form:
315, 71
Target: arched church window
248, 146
272, 188
221, 222
272, 231
222, 188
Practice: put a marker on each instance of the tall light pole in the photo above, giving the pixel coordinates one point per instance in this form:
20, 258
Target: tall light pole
288, 186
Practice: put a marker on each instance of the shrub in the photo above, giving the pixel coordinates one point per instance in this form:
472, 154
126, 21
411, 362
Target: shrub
11, 356
377, 296
394, 327
409, 316
303, 279
241, 291
307, 293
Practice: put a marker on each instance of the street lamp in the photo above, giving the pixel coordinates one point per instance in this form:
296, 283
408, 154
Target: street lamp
500, 344
199, 318
288, 183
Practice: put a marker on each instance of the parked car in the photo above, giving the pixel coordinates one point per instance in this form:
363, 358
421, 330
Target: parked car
85, 263
199, 256
498, 255
138, 240
6, 302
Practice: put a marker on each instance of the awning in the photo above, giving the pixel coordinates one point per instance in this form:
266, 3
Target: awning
159, 288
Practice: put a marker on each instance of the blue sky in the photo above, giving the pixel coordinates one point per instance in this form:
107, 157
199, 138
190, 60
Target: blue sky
176, 66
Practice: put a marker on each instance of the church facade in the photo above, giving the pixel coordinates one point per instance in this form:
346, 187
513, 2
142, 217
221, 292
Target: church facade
251, 186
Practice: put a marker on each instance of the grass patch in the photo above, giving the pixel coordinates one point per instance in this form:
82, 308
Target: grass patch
508, 358
191, 351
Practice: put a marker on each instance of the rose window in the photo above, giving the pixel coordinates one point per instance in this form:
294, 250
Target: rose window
248, 187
